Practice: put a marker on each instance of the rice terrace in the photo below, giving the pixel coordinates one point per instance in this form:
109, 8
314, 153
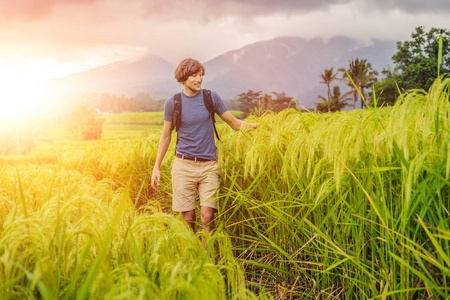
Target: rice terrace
351, 204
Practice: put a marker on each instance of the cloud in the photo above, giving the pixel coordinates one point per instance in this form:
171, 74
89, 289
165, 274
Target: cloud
92, 32
203, 10
409, 6
19, 10
210, 10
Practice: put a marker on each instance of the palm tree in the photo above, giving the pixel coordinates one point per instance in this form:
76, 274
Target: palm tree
336, 103
362, 74
327, 78
367, 80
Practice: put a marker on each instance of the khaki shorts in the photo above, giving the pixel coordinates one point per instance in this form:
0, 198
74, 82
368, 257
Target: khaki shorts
190, 176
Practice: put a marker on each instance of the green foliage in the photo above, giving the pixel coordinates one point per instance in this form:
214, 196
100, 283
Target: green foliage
416, 64
387, 90
327, 78
251, 103
440, 51
417, 60
331, 106
281, 102
362, 75
334, 102
83, 123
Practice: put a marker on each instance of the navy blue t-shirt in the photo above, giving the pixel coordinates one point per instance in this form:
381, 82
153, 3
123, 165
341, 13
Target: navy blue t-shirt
196, 132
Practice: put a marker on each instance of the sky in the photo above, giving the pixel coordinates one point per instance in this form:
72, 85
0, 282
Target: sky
46, 39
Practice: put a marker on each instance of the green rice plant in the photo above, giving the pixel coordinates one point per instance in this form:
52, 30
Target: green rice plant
125, 162
82, 238
353, 203
350, 205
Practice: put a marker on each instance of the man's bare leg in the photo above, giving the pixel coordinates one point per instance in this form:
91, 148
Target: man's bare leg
189, 217
207, 218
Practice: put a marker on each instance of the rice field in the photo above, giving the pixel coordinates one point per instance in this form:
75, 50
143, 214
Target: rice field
70, 229
138, 118
348, 205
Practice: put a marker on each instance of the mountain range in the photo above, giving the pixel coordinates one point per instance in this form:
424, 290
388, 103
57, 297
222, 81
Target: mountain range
287, 64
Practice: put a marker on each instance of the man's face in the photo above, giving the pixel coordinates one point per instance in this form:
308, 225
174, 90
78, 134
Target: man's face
194, 82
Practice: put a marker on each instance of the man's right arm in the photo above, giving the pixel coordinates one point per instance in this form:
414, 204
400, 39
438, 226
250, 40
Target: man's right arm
164, 143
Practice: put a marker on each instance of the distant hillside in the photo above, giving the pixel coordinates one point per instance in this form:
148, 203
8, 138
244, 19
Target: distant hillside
150, 74
286, 64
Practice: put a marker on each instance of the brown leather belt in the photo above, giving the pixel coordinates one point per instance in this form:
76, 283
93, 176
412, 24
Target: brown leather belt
193, 158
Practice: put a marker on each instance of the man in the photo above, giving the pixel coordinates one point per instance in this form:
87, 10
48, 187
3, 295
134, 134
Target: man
195, 167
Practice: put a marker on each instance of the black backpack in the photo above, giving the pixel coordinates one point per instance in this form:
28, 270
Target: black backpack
177, 111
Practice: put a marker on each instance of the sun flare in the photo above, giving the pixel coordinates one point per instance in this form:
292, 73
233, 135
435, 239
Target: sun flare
21, 99
19, 102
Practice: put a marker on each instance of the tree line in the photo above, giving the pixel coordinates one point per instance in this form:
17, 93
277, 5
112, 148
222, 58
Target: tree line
106, 103
255, 103
417, 63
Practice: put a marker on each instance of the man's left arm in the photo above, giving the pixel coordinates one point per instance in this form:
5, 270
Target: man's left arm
235, 123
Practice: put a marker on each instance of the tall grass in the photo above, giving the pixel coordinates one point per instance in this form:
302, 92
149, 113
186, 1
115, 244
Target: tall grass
344, 205
350, 204
66, 235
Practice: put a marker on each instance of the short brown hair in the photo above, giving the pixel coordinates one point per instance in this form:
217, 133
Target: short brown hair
187, 68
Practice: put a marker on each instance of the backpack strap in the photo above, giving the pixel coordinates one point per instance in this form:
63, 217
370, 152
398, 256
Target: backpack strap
176, 119
207, 99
